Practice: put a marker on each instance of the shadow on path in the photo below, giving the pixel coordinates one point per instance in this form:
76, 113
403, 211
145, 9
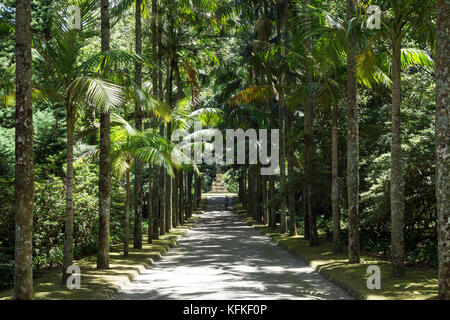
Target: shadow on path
224, 258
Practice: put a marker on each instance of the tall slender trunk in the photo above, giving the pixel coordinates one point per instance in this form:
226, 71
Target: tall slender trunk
189, 175
352, 149
265, 219
245, 180
168, 185
138, 177
306, 234
290, 160
251, 193
104, 181
175, 218
155, 204
155, 233
181, 198
258, 205
162, 201
283, 209
126, 236
197, 195
309, 148
283, 222
337, 242
397, 201
272, 221
68, 227
443, 146
150, 219
24, 164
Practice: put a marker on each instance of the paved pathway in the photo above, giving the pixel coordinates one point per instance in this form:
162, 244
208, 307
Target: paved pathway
223, 258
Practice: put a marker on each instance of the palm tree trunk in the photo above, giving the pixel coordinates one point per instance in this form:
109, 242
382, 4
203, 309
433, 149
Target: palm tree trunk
309, 153
352, 150
397, 201
155, 205
68, 227
251, 193
258, 192
24, 165
189, 176
138, 180
175, 218
264, 200
283, 222
244, 182
126, 237
337, 243
272, 221
104, 181
181, 198
306, 234
197, 195
150, 206
162, 201
443, 146
291, 191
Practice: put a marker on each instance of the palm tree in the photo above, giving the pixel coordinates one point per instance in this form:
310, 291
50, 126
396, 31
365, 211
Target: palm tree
74, 83
352, 146
24, 172
443, 146
104, 184
406, 16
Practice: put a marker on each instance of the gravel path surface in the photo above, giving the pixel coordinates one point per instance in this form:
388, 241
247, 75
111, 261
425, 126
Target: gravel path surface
223, 258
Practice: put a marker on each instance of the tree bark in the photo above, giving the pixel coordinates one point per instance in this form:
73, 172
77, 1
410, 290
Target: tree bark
443, 146
337, 242
126, 238
283, 209
150, 219
189, 175
265, 200
24, 164
138, 177
68, 227
259, 199
155, 204
397, 200
306, 234
162, 202
104, 182
352, 150
272, 221
290, 159
181, 198
175, 218
197, 195
309, 148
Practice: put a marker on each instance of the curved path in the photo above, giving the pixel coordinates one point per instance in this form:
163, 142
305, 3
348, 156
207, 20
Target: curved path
223, 258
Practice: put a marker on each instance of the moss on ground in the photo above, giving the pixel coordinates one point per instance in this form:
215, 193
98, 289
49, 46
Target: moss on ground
103, 284
419, 283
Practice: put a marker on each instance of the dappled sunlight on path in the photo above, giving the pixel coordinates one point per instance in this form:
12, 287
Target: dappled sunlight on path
224, 258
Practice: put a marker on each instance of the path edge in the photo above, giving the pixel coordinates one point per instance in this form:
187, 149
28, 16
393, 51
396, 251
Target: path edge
316, 268
112, 293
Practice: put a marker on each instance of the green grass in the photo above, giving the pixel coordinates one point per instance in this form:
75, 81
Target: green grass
103, 284
419, 283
